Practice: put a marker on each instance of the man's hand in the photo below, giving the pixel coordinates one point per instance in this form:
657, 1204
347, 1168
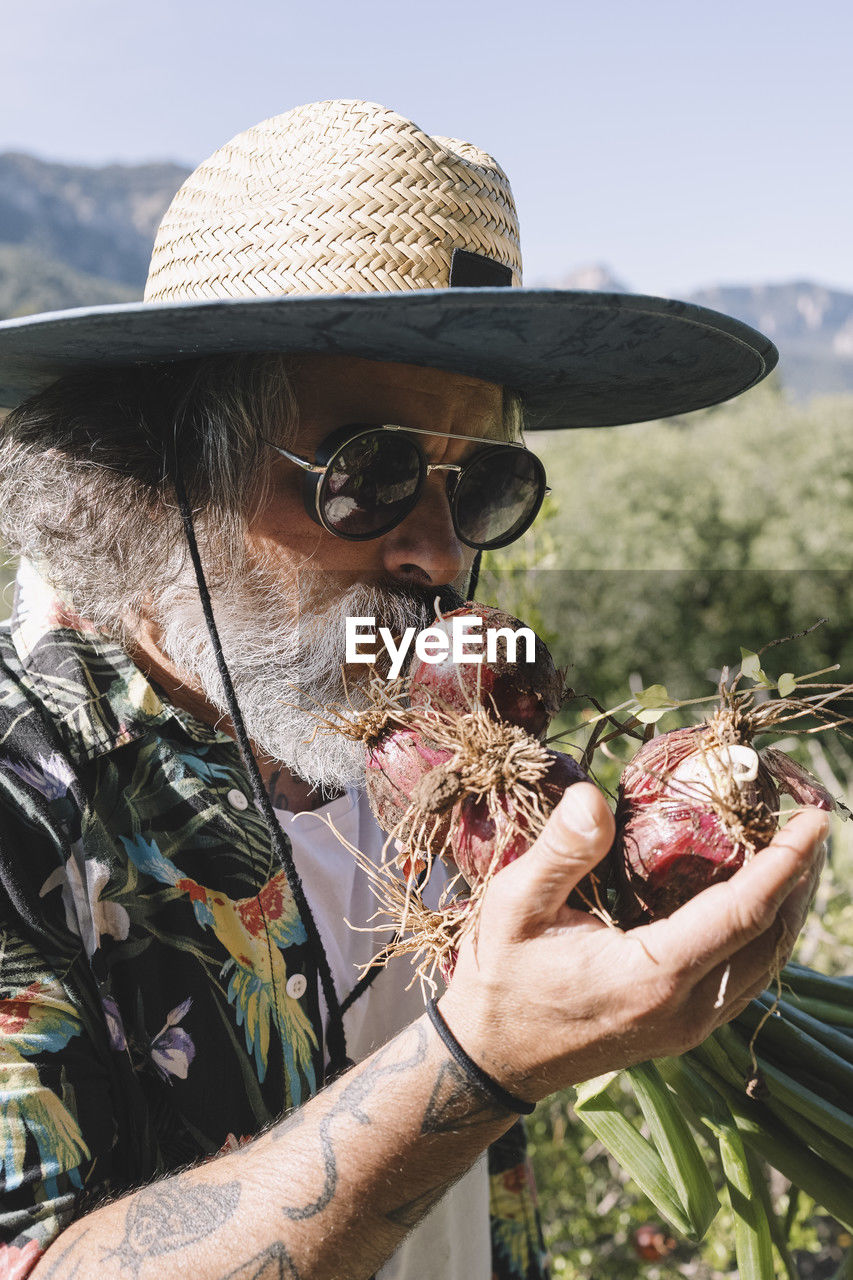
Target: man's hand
547, 996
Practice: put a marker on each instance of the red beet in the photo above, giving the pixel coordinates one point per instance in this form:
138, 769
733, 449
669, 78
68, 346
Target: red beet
528, 694
475, 833
672, 834
796, 781
395, 768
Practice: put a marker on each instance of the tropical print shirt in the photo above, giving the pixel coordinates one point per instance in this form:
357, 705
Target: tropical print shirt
146, 1019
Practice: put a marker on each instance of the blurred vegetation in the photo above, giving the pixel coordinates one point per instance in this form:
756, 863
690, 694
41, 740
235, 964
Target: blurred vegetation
665, 547
662, 550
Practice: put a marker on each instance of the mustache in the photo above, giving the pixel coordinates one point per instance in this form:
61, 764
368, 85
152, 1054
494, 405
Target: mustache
425, 602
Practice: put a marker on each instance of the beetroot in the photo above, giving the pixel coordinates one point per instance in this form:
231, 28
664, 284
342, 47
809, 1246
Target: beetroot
694, 805
528, 694
484, 836
456, 770
395, 766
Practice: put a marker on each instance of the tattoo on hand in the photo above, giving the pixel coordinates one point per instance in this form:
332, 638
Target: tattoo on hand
165, 1218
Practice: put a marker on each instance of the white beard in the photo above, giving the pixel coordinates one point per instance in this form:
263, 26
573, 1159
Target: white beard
285, 650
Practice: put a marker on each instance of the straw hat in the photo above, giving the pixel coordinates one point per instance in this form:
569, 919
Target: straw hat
343, 227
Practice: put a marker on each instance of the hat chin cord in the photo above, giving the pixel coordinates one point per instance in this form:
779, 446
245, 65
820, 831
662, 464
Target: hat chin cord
335, 1035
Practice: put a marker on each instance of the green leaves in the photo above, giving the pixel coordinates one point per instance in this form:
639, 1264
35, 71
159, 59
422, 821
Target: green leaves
753, 1246
750, 668
670, 1168
652, 703
753, 1241
801, 1122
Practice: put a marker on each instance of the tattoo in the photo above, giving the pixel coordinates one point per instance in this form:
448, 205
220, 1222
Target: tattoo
277, 794
350, 1102
165, 1218
449, 1107
53, 1273
275, 1263
410, 1213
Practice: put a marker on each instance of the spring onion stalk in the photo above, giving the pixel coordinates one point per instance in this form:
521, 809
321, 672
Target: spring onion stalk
774, 1085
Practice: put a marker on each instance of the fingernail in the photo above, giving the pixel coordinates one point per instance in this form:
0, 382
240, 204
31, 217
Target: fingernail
580, 810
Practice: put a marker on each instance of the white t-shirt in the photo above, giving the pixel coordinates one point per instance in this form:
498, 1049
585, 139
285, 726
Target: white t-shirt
452, 1242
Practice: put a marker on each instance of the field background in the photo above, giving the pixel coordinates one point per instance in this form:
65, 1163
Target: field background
663, 549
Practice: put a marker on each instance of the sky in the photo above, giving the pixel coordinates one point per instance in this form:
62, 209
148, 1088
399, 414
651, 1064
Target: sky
681, 143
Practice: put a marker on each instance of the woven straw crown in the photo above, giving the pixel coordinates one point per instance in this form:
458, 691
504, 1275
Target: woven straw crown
333, 197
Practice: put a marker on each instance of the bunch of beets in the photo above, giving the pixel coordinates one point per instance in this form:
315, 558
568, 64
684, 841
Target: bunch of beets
458, 769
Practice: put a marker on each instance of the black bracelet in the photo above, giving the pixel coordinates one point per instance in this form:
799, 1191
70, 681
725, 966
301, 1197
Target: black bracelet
485, 1082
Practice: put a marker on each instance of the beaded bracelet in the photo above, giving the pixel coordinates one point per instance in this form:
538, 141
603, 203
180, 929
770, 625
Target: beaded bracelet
496, 1091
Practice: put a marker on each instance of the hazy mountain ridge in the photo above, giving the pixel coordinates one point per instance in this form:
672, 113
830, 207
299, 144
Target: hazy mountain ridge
31, 282
811, 325
100, 221
71, 235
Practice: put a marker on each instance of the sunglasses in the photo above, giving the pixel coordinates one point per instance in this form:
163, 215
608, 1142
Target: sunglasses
365, 480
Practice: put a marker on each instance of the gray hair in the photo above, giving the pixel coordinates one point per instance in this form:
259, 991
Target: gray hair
86, 488
86, 469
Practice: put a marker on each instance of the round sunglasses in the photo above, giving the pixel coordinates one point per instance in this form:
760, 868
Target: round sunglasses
365, 480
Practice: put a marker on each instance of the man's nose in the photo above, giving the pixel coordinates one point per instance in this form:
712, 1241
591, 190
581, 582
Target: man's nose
424, 549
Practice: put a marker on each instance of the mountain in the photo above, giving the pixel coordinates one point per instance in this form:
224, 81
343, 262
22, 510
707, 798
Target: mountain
811, 325
99, 221
71, 235
30, 282
596, 277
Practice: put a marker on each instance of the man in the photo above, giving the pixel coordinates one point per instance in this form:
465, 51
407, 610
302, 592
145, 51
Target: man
211, 488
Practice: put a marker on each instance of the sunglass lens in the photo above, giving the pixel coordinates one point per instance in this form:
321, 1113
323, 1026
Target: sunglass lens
498, 497
372, 483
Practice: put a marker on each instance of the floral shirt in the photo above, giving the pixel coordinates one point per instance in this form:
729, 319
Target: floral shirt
148, 946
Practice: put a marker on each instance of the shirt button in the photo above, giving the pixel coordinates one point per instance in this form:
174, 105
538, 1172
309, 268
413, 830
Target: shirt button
237, 799
297, 985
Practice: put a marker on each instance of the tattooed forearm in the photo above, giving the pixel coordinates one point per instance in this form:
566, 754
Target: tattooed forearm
455, 1102
273, 1263
57, 1270
410, 1212
171, 1216
350, 1102
329, 1191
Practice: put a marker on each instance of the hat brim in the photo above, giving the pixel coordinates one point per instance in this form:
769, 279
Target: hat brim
578, 359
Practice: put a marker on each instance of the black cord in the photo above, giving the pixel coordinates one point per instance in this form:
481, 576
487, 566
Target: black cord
335, 1035
475, 575
480, 1077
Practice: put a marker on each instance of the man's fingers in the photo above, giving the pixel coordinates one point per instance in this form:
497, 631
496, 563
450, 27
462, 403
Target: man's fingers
576, 837
732, 984
723, 919
756, 965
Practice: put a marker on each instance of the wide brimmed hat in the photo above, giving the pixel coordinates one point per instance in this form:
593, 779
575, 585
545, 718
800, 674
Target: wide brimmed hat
341, 227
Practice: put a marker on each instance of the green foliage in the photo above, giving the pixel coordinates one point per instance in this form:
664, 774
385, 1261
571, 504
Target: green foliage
668, 548
667, 551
